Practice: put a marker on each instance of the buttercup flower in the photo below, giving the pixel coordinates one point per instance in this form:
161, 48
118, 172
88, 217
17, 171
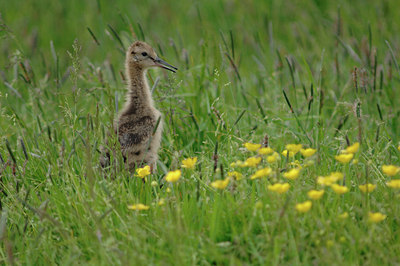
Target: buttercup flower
143, 172
344, 215
367, 188
161, 202
330, 179
262, 172
292, 174
308, 152
395, 183
265, 151
304, 207
235, 174
220, 184
336, 176
376, 217
279, 187
325, 181
295, 148
173, 176
344, 158
315, 194
251, 146
398, 148
339, 189
138, 207
189, 163
353, 148
285, 153
390, 170
273, 158
252, 161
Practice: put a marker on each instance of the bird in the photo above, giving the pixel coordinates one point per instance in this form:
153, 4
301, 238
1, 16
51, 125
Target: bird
139, 124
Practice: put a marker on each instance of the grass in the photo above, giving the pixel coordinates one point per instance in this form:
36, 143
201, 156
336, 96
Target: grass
321, 73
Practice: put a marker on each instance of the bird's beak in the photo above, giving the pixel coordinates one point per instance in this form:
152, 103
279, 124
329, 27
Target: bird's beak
161, 63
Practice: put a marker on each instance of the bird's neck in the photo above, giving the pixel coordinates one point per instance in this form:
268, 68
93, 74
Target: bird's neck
139, 95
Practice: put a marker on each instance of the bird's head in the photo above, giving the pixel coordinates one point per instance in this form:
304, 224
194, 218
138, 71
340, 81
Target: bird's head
141, 55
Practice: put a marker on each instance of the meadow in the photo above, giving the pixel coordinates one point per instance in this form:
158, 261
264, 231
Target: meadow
281, 141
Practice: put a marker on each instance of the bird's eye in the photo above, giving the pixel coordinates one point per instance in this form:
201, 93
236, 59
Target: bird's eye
144, 54
132, 52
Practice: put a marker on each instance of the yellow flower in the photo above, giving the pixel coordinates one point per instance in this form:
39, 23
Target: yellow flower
273, 158
292, 174
330, 179
304, 207
344, 158
295, 148
138, 207
252, 161
262, 172
251, 146
398, 148
265, 151
308, 152
353, 148
143, 172
336, 176
220, 184
367, 188
173, 176
339, 189
325, 181
189, 163
315, 194
376, 217
355, 161
285, 153
344, 215
235, 174
233, 164
279, 187
390, 170
395, 183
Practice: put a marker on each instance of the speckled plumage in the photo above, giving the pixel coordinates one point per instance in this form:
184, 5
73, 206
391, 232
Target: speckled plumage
136, 124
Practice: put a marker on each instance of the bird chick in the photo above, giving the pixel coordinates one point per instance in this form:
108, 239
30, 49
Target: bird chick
139, 124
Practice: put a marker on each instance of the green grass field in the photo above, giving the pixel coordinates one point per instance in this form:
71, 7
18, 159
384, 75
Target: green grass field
324, 74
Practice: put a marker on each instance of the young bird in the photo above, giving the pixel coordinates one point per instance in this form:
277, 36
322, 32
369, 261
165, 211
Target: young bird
139, 124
